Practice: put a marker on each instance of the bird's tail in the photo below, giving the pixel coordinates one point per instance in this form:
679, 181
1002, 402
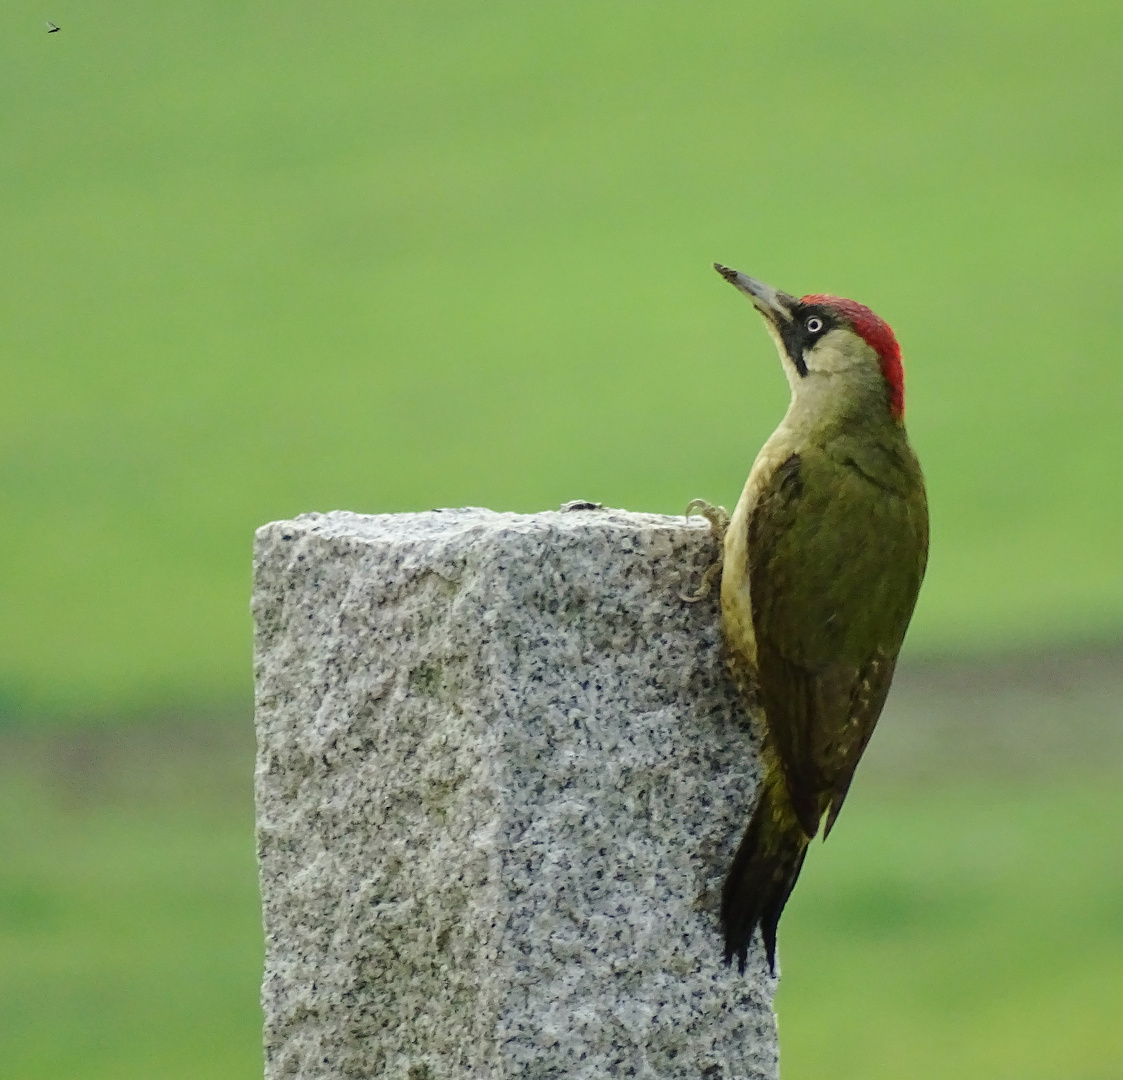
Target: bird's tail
763, 873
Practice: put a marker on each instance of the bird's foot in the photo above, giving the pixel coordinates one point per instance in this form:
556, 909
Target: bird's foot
718, 517
705, 587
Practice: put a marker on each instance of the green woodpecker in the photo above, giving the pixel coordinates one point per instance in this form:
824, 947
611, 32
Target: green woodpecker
822, 561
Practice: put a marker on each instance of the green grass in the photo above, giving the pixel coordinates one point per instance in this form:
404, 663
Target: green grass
129, 918
952, 927
266, 258
967, 932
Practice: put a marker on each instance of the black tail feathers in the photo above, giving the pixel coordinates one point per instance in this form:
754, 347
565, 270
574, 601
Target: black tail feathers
762, 876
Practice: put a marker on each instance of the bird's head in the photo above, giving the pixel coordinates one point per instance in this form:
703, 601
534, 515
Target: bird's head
834, 351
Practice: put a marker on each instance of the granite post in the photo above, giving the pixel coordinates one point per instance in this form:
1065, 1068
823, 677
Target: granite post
501, 772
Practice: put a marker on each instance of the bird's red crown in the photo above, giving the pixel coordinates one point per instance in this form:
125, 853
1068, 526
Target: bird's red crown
876, 333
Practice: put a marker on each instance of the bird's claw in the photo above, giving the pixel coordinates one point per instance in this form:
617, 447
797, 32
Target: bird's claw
717, 516
712, 574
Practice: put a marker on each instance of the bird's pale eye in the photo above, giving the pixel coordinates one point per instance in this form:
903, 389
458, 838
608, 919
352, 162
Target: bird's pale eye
814, 324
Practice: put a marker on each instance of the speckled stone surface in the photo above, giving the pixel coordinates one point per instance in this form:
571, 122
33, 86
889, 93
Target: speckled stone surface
500, 775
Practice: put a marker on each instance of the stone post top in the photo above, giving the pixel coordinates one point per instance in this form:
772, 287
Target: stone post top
574, 517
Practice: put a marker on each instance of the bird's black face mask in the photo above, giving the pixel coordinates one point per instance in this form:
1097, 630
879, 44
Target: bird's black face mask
809, 322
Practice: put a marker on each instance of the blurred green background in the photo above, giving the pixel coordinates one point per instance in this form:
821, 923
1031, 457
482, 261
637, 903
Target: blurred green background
259, 259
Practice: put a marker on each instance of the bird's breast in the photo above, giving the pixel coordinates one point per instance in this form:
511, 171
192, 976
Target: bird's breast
736, 595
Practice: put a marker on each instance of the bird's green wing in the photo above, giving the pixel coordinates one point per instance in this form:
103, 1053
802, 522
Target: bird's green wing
835, 563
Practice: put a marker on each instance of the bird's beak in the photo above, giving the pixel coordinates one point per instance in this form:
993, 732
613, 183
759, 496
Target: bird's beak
774, 305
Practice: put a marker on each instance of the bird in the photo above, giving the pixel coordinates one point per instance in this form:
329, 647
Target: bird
822, 561
51, 28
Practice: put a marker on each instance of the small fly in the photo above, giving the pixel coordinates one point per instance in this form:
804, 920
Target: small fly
51, 28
